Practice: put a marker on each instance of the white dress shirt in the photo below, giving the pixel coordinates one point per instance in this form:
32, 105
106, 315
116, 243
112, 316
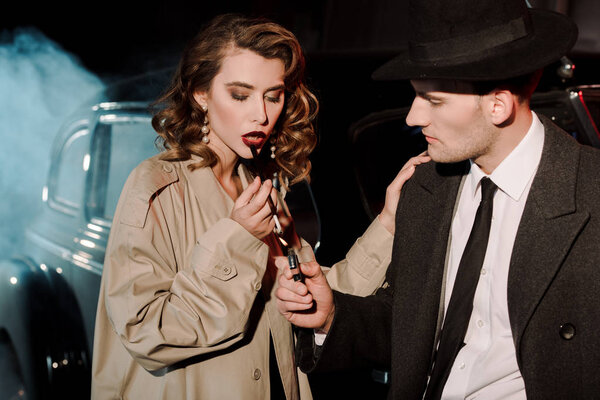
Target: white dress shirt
486, 367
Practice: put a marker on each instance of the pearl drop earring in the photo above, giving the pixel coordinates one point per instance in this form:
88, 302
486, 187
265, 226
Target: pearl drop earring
273, 140
205, 128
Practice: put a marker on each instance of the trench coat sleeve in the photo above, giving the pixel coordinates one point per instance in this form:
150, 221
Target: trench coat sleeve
165, 313
363, 270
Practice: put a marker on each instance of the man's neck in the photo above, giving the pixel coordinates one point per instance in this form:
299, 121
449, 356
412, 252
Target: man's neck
509, 136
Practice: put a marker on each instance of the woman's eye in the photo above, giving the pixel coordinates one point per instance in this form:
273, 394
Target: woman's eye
274, 98
238, 97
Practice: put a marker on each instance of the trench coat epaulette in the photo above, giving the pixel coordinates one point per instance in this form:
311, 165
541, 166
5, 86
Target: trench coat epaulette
144, 182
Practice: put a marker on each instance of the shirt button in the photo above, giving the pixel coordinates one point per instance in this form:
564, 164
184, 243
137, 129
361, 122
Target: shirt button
462, 366
480, 323
256, 374
483, 271
167, 167
257, 286
226, 270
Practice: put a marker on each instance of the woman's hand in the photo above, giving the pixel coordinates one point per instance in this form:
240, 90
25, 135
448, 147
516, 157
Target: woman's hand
252, 211
392, 194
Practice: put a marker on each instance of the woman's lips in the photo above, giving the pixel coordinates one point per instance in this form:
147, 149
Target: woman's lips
254, 138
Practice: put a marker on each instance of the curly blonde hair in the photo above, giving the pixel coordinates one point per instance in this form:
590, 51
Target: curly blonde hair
179, 118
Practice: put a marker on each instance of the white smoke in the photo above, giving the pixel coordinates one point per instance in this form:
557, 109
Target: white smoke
40, 84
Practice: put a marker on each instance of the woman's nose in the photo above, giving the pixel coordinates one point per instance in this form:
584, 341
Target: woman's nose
259, 113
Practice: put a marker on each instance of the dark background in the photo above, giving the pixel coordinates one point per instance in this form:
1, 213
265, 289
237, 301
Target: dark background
344, 42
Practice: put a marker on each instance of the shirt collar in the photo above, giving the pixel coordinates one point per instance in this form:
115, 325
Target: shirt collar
514, 172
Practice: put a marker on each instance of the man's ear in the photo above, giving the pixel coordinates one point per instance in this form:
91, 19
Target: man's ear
502, 106
200, 98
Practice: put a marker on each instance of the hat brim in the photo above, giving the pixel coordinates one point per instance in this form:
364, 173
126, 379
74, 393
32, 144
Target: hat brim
553, 36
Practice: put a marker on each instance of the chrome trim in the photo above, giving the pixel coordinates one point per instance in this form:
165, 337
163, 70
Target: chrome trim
66, 254
110, 106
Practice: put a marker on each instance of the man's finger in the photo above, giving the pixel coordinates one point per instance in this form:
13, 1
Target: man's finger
310, 269
290, 296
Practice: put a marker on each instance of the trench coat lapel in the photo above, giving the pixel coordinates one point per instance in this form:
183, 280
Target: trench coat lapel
214, 201
549, 225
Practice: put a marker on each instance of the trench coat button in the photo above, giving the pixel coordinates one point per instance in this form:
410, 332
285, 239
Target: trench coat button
167, 167
256, 374
257, 286
567, 331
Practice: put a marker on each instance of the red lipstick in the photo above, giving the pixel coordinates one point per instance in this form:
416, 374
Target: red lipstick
255, 138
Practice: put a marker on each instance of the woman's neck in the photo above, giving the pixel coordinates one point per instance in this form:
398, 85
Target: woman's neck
226, 174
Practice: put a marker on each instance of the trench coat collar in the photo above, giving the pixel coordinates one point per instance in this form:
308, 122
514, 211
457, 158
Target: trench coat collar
207, 188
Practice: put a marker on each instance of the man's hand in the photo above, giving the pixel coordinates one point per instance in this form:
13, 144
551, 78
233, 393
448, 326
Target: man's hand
392, 194
308, 304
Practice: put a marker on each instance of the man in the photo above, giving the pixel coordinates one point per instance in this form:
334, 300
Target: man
491, 296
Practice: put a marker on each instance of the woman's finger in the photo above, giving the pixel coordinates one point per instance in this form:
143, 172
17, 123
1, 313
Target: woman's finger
260, 198
248, 193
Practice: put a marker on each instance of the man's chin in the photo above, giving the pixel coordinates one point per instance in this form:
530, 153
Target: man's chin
446, 158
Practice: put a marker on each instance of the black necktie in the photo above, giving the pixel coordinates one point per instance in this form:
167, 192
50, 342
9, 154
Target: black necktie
461, 301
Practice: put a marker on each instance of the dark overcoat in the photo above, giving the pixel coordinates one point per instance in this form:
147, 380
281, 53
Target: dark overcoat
553, 282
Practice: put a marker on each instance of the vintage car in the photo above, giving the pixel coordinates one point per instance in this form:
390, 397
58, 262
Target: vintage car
48, 296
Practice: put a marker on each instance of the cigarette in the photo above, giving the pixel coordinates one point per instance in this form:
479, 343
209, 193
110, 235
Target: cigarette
278, 229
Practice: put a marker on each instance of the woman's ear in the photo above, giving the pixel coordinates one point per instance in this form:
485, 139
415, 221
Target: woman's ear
200, 98
502, 106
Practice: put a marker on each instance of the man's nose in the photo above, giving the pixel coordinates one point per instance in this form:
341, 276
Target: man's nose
416, 115
259, 112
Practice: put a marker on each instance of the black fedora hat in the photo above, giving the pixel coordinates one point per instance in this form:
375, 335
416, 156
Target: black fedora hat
478, 40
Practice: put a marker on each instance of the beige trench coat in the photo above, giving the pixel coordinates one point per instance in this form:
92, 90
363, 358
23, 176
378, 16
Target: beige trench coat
186, 302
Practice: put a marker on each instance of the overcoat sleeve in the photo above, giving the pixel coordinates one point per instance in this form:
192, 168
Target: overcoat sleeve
165, 312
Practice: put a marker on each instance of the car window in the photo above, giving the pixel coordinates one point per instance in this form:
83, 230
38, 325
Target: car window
121, 142
68, 187
590, 98
381, 144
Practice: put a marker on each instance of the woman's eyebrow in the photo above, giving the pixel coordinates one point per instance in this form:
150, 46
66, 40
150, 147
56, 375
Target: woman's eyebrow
249, 86
278, 87
240, 84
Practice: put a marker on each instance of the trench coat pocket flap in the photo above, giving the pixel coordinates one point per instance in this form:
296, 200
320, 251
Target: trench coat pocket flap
220, 268
224, 270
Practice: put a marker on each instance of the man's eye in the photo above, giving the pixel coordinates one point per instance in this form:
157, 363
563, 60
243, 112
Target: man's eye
238, 97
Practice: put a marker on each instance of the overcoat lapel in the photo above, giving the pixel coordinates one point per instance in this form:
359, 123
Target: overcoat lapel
420, 248
549, 225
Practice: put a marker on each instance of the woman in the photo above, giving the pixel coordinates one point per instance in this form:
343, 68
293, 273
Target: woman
186, 309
